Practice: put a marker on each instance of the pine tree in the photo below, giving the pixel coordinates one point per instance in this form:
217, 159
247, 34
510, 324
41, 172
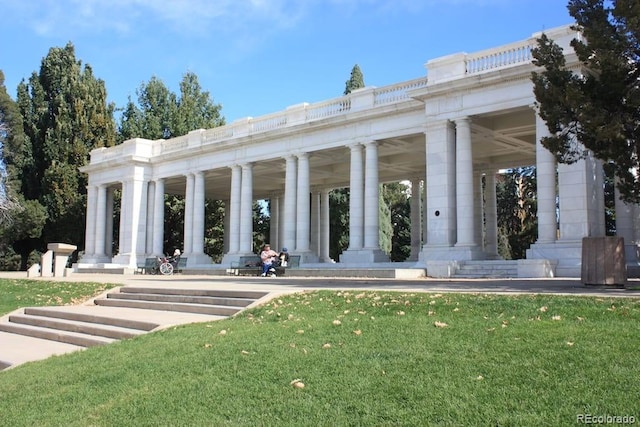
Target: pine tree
597, 109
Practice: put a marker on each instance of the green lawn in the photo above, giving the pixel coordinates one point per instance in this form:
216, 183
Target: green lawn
19, 293
364, 358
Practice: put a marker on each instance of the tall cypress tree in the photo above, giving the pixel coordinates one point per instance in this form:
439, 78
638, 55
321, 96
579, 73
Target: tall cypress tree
65, 115
356, 81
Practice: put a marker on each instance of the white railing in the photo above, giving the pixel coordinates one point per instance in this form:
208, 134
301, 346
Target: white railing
397, 92
270, 122
504, 56
326, 109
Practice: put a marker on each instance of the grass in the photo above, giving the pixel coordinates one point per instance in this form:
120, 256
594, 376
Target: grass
19, 293
364, 358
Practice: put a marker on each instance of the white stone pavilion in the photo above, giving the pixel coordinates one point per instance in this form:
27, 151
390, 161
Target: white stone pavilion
469, 117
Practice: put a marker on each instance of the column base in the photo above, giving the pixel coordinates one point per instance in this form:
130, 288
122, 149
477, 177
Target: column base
567, 254
197, 259
95, 259
450, 253
363, 256
307, 257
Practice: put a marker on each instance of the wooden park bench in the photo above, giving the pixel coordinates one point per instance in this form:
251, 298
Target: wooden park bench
252, 266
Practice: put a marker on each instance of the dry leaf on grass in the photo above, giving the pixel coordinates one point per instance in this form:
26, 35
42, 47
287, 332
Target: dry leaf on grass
440, 324
244, 352
337, 322
297, 383
543, 309
223, 332
556, 317
357, 332
326, 345
207, 345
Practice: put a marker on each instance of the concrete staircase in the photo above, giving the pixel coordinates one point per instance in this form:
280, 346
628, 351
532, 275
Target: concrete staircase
487, 269
35, 333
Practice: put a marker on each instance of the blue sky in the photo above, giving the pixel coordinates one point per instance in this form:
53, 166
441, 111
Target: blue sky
257, 57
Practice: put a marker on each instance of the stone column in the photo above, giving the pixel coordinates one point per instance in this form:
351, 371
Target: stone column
234, 209
440, 184
198, 215
101, 219
546, 187
289, 220
464, 184
356, 199
109, 225
324, 227
151, 206
188, 216
303, 208
90, 226
158, 218
371, 197
133, 219
246, 210
416, 222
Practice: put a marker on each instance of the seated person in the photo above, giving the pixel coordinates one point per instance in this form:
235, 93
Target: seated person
267, 257
175, 258
284, 257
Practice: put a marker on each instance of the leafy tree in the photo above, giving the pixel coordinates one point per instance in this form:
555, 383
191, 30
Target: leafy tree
162, 114
355, 82
338, 222
396, 197
597, 109
65, 115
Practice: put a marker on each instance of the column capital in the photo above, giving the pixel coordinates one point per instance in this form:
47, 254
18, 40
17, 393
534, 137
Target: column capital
463, 120
371, 143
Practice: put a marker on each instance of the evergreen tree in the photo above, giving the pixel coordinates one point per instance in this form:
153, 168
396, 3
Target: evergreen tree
355, 82
516, 208
598, 108
65, 116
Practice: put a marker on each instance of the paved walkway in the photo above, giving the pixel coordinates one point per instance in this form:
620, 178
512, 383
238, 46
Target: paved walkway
297, 284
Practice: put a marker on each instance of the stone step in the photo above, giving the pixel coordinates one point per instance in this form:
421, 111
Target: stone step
91, 318
487, 269
85, 328
231, 302
112, 300
226, 293
73, 338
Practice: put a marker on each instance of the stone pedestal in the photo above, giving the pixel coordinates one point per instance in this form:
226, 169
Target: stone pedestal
58, 253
